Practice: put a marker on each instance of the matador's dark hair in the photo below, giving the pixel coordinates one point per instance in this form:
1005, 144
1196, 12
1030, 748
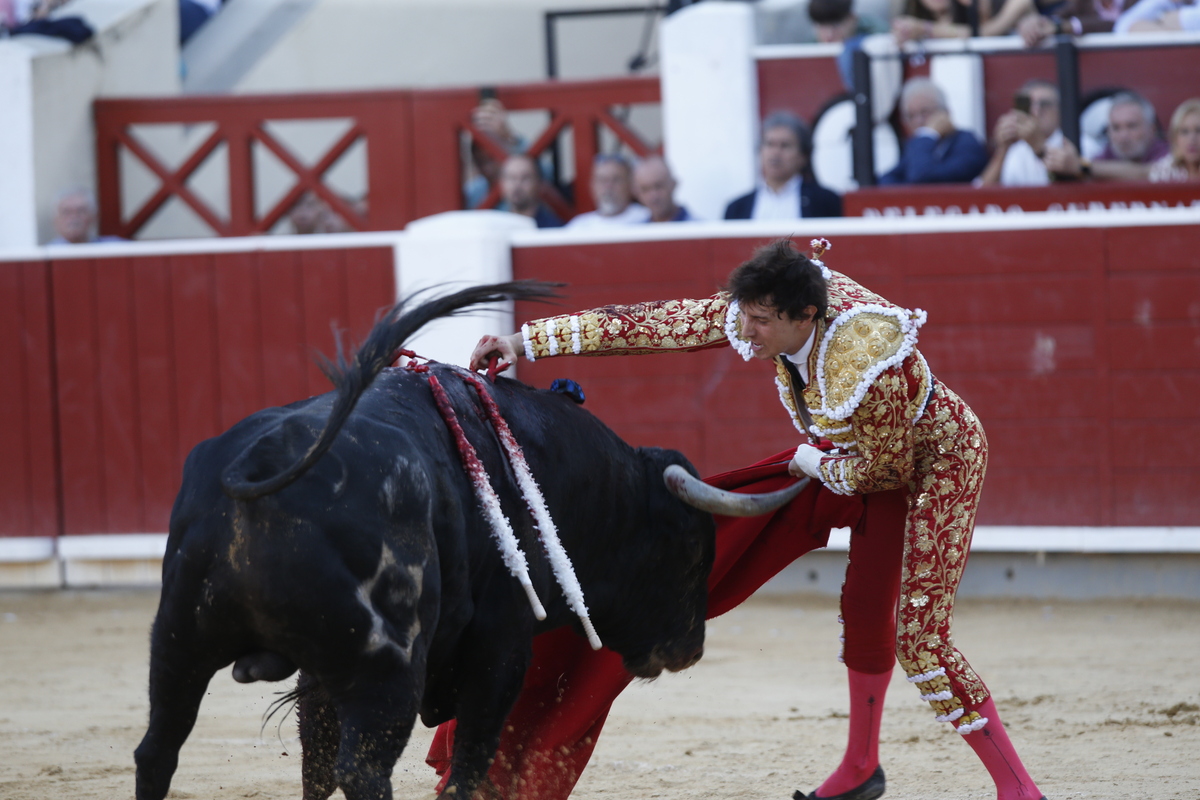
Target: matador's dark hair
780, 276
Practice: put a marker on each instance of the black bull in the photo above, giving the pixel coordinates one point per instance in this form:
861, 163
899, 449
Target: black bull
350, 546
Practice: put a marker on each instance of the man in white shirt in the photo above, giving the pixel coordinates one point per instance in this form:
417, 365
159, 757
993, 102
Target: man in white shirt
654, 186
1022, 135
612, 192
788, 189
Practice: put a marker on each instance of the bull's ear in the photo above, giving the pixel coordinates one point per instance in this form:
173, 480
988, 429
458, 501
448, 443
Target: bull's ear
668, 510
658, 459
691, 531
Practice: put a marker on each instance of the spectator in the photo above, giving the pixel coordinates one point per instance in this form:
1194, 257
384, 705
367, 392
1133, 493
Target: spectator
1183, 162
490, 117
789, 189
520, 191
654, 187
1157, 16
331, 221
1022, 137
613, 195
309, 214
33, 17
75, 218
1133, 145
936, 151
835, 21
1070, 17
14, 13
950, 19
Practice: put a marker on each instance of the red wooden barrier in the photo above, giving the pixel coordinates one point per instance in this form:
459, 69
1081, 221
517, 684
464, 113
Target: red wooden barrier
381, 119
412, 138
938, 199
801, 85
1082, 368
29, 468
155, 353
582, 106
1076, 346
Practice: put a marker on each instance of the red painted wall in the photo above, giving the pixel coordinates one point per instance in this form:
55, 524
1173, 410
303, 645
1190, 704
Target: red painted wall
29, 466
133, 360
803, 86
1078, 348
943, 198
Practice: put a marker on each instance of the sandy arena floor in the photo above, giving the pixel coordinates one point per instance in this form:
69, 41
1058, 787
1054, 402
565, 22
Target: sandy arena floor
1101, 698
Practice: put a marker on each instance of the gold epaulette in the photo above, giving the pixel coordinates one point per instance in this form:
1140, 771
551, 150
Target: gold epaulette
858, 345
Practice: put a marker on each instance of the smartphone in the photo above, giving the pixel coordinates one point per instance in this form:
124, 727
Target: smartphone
1021, 102
487, 93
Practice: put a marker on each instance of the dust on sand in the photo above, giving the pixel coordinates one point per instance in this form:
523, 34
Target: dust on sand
1102, 700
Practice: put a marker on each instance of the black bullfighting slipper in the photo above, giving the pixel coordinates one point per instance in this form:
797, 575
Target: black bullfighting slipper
870, 789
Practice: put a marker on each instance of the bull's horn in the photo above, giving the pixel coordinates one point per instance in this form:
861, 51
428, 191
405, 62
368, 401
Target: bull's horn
696, 492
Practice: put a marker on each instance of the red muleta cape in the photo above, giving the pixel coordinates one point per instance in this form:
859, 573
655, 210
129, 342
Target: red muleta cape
553, 727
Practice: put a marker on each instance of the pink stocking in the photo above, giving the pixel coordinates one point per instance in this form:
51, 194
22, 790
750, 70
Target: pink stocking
996, 752
862, 749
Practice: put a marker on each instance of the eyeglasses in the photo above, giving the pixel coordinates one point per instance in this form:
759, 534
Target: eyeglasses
918, 113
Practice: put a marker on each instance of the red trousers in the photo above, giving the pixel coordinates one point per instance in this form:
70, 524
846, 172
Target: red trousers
552, 730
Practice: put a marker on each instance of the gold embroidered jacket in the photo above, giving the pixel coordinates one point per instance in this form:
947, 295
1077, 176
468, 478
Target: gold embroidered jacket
868, 390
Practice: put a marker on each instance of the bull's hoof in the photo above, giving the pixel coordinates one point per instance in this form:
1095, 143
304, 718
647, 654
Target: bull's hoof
870, 789
262, 666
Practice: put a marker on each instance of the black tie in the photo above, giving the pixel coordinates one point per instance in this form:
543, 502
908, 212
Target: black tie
798, 395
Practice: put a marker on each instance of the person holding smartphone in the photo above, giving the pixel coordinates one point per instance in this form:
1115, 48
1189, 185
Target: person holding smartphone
1022, 135
489, 117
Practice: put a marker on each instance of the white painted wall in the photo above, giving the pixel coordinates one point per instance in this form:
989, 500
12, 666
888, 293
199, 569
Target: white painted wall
710, 104
453, 250
18, 186
46, 91
960, 76
342, 44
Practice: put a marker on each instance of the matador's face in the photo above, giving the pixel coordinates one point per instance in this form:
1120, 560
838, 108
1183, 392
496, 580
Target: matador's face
772, 333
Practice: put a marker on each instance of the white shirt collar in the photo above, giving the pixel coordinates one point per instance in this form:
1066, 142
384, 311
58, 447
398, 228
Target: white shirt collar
784, 204
800, 357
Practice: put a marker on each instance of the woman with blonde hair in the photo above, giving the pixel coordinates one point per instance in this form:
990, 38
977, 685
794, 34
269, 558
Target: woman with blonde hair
1183, 162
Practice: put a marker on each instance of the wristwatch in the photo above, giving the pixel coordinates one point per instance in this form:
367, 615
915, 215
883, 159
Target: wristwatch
1085, 167
1070, 26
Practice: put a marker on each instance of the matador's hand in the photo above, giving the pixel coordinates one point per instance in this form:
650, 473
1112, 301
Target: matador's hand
506, 348
807, 461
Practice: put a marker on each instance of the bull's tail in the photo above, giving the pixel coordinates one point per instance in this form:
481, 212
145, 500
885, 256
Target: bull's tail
352, 378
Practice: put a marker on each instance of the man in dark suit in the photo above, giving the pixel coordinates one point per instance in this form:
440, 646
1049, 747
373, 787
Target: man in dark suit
788, 189
520, 191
